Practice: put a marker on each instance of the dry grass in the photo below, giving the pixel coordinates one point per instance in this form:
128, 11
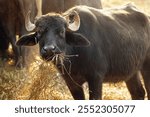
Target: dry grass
41, 80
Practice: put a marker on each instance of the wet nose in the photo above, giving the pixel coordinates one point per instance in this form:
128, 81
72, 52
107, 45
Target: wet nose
49, 49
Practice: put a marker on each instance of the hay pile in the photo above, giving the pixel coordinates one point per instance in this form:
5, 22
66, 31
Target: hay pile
41, 81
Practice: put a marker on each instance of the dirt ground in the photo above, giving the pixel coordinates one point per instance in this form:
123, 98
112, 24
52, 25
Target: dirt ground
41, 81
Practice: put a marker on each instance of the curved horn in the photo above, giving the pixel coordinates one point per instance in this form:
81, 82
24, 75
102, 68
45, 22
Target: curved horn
28, 24
73, 20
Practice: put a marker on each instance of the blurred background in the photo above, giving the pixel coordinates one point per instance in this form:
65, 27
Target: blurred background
41, 81
142, 4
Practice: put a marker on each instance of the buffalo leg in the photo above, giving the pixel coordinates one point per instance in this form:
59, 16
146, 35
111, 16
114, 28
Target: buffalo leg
77, 92
16, 51
135, 87
95, 87
12, 40
75, 88
39, 7
4, 44
146, 76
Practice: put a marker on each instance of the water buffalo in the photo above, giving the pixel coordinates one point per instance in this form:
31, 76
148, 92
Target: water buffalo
13, 12
100, 46
112, 45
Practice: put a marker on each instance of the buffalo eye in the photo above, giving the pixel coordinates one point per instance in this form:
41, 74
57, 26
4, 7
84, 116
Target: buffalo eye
62, 33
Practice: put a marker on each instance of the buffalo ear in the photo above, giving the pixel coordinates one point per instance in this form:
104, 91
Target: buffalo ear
76, 39
27, 40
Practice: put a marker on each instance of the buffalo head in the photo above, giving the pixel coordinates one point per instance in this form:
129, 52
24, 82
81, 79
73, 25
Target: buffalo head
54, 33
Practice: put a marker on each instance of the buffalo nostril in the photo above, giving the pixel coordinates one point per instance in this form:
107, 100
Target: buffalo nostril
45, 49
48, 48
52, 47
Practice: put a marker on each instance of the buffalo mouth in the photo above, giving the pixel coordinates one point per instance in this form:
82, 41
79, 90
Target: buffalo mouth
47, 58
50, 56
55, 58
60, 60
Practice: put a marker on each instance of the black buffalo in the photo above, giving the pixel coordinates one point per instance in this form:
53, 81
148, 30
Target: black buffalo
96, 46
8, 22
